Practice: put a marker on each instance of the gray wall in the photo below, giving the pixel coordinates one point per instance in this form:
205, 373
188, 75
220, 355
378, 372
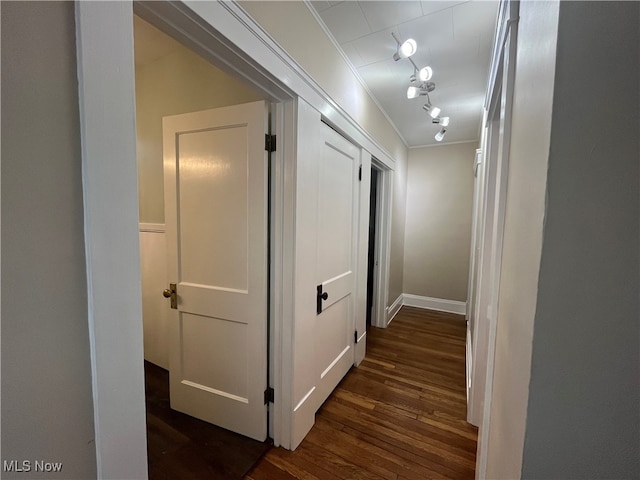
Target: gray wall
584, 394
438, 222
47, 407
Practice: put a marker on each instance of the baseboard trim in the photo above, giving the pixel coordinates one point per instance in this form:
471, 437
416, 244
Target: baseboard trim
152, 227
394, 308
439, 304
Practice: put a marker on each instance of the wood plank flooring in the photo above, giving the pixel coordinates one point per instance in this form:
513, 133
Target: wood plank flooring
399, 416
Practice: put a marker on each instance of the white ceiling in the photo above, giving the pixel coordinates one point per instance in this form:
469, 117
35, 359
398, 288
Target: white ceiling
453, 37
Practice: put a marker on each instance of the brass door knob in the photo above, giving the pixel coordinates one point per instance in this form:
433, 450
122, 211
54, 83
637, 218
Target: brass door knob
171, 293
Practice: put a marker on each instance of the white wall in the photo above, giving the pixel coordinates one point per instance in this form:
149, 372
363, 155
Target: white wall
583, 416
47, 404
155, 308
438, 222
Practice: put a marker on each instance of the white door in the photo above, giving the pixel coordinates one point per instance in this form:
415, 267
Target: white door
216, 216
337, 227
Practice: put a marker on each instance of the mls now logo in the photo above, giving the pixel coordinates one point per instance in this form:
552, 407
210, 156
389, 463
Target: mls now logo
28, 466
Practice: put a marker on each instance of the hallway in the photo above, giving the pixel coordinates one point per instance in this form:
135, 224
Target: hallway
400, 415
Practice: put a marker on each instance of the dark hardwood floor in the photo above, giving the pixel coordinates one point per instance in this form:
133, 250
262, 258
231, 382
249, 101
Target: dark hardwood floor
400, 415
183, 447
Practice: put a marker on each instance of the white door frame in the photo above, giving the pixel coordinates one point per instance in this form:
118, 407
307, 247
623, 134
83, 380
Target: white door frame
478, 169
495, 151
383, 244
482, 312
223, 32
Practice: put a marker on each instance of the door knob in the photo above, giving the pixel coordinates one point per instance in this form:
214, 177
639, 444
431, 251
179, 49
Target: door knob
172, 293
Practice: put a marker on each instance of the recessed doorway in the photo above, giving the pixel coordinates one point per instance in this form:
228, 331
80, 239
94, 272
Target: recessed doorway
371, 257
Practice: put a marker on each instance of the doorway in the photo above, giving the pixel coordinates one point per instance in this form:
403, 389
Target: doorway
378, 243
170, 80
372, 271
224, 385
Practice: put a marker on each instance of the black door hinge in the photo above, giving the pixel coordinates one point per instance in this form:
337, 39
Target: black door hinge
269, 143
360, 174
269, 395
355, 336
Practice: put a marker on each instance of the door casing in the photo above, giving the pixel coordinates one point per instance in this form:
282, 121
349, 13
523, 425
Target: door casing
485, 287
380, 314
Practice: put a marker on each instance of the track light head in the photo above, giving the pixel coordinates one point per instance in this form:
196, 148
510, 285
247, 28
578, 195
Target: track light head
444, 121
440, 135
408, 48
425, 74
420, 90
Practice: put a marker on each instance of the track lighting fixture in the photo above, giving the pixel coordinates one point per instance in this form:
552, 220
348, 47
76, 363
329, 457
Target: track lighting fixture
419, 84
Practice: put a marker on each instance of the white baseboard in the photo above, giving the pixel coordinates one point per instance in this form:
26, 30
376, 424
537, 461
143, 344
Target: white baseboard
394, 308
440, 304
